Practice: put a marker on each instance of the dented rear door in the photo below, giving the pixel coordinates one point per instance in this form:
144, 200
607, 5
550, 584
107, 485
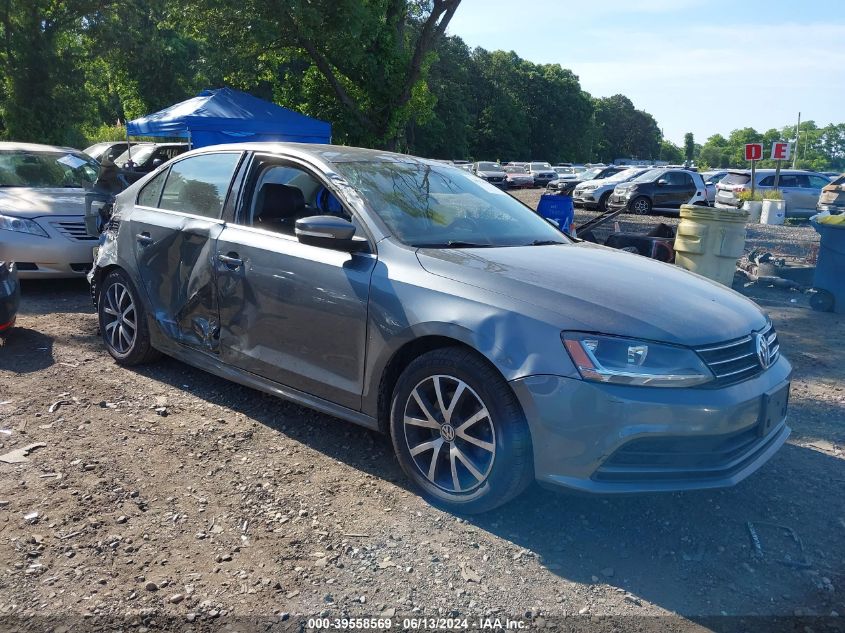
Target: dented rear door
174, 243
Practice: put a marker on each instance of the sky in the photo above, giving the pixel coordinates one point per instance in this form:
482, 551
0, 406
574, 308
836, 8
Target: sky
700, 66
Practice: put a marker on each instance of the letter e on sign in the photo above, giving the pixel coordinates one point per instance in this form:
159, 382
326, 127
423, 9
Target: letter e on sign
780, 151
753, 151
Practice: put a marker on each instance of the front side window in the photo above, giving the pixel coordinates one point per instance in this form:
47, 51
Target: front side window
817, 182
430, 206
199, 184
284, 193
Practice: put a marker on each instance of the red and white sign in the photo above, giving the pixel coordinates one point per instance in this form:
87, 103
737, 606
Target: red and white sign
780, 151
753, 151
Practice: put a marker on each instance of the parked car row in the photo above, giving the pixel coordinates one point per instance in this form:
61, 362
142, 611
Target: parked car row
641, 189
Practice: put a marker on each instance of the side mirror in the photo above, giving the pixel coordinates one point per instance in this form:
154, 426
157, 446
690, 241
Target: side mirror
329, 231
157, 162
662, 182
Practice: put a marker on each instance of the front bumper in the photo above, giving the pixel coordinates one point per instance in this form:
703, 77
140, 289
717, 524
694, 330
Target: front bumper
66, 253
615, 439
584, 198
10, 297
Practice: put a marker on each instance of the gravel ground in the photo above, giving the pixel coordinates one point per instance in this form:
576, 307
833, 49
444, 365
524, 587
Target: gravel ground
166, 497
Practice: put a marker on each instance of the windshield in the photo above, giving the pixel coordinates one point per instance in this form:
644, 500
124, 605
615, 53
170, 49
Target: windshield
139, 155
589, 174
515, 170
564, 170
648, 176
46, 169
625, 174
437, 206
540, 166
489, 167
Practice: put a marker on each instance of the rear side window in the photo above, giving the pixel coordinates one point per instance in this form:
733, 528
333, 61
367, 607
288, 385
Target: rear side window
736, 179
151, 193
199, 184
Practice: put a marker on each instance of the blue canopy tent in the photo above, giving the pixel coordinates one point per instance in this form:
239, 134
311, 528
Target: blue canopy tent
230, 116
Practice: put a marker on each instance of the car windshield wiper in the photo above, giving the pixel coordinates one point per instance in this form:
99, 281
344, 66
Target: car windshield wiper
544, 243
455, 244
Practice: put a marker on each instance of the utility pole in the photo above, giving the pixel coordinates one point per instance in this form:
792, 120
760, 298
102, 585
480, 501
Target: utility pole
797, 133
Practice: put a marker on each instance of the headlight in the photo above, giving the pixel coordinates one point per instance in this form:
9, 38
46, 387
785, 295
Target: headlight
589, 187
21, 225
624, 361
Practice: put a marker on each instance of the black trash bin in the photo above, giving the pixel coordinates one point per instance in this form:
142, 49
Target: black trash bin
829, 278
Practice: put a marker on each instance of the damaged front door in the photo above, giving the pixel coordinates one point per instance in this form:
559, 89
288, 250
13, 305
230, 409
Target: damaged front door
174, 235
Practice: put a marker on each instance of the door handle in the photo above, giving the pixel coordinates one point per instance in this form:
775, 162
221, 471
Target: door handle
232, 261
144, 238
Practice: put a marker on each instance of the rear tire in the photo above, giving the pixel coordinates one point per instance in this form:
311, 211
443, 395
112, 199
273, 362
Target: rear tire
640, 206
123, 321
459, 432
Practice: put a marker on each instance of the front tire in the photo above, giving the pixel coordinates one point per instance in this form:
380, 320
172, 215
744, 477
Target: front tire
459, 433
123, 321
640, 206
603, 202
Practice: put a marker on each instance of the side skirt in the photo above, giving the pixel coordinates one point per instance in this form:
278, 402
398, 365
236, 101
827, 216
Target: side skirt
212, 365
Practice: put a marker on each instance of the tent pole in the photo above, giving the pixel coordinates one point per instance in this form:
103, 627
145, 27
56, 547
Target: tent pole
190, 145
128, 144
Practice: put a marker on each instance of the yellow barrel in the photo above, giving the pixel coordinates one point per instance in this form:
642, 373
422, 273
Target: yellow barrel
709, 241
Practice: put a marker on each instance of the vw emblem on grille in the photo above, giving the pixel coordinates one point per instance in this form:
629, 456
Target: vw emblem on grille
763, 351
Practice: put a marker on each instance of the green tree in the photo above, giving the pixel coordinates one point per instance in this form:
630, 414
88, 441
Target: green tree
689, 147
670, 152
373, 55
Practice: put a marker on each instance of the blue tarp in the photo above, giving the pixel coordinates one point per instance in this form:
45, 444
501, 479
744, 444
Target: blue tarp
230, 116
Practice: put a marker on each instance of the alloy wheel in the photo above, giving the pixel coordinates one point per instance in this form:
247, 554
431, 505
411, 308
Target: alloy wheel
119, 318
449, 433
641, 206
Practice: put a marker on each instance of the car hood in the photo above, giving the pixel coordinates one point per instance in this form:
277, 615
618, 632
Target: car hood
30, 202
597, 289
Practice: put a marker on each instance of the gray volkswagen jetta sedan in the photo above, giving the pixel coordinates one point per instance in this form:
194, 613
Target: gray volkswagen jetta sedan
408, 296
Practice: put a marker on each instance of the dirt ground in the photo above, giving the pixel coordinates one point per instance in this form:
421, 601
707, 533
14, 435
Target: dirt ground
168, 498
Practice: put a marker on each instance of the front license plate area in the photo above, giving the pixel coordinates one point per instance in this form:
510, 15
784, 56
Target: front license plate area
772, 409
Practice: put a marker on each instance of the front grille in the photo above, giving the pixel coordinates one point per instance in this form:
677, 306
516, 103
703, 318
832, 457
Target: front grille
73, 230
737, 360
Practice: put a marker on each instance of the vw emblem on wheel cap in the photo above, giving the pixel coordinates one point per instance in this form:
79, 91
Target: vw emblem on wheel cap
763, 351
447, 432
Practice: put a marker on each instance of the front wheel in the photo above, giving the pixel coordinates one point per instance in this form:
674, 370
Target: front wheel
459, 432
603, 201
123, 322
641, 206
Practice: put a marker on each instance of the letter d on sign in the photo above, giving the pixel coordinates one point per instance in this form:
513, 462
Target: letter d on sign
780, 151
753, 151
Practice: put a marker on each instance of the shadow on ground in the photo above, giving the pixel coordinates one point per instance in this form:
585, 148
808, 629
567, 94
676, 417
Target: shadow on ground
689, 553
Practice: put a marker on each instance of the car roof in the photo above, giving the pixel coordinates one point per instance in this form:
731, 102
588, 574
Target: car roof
321, 152
788, 172
12, 146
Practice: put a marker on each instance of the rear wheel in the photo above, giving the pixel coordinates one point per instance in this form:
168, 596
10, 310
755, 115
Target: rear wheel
123, 322
640, 206
459, 432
